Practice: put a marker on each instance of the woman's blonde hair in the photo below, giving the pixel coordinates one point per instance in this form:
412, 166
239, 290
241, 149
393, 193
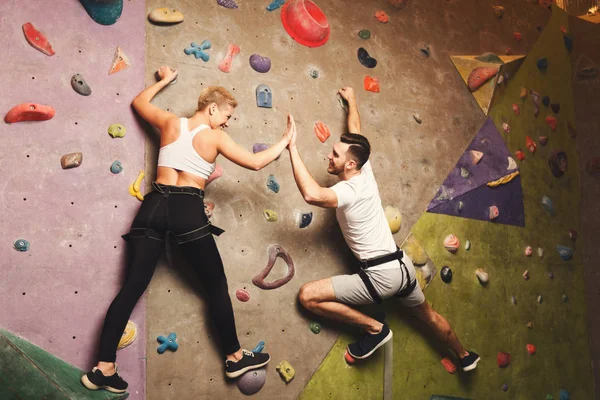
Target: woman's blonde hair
215, 94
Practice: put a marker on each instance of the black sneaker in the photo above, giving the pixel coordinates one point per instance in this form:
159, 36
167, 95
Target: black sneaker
469, 362
248, 362
369, 343
96, 380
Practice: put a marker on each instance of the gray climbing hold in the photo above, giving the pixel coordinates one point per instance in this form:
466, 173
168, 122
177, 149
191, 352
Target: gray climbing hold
565, 298
21, 245
272, 183
264, 96
252, 381
314, 73
80, 85
464, 172
116, 167
513, 300
305, 219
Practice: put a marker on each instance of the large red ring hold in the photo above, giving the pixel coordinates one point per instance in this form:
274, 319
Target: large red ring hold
304, 21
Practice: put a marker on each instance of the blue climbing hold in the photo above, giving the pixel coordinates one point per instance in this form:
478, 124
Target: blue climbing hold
198, 51
264, 96
167, 343
259, 347
565, 252
542, 64
104, 12
21, 245
564, 395
306, 219
568, 43
546, 100
272, 183
116, 167
275, 5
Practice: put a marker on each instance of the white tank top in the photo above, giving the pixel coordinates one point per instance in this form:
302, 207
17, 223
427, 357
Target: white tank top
181, 154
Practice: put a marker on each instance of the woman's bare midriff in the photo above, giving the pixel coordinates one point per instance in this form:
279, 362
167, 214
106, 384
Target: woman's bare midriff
173, 177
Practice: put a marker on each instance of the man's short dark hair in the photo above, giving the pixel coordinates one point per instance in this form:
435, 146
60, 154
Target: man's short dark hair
359, 149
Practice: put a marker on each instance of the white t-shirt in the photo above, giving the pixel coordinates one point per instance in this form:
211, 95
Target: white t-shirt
361, 217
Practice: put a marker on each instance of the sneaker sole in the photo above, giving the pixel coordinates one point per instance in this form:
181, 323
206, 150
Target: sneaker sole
89, 385
472, 366
242, 371
384, 341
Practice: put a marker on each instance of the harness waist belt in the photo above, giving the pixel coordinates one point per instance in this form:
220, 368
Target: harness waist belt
372, 262
177, 189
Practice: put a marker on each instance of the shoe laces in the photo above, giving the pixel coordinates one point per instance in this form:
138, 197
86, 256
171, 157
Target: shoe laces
247, 353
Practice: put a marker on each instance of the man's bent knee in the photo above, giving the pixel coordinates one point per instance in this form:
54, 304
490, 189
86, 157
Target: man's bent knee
312, 293
305, 295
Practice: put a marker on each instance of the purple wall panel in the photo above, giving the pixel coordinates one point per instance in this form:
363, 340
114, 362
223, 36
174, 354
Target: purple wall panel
73, 218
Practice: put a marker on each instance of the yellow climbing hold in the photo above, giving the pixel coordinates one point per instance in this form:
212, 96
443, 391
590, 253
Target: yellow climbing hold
394, 218
134, 188
270, 215
129, 335
286, 371
165, 15
503, 180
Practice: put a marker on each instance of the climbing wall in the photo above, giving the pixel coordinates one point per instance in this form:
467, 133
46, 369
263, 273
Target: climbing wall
56, 294
510, 312
586, 95
410, 160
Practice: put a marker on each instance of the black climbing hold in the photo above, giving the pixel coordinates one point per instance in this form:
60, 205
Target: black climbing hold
446, 274
546, 101
425, 50
568, 43
365, 59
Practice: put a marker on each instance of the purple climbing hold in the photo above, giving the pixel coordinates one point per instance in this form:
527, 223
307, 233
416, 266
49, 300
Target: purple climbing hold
505, 387
259, 63
227, 3
252, 381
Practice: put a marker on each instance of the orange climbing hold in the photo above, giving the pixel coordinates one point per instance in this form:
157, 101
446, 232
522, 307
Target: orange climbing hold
120, 62
29, 112
371, 84
37, 39
551, 121
382, 17
449, 365
530, 144
518, 37
232, 51
322, 131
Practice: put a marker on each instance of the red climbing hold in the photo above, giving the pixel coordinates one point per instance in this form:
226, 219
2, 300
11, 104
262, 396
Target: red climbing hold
531, 349
37, 39
371, 84
349, 358
382, 17
305, 22
449, 365
520, 155
29, 112
503, 359
517, 35
479, 76
551, 121
232, 51
322, 131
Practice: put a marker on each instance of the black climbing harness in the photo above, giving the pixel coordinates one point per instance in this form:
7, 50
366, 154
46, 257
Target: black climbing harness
366, 264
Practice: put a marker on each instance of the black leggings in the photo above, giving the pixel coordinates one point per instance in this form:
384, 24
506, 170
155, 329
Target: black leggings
180, 211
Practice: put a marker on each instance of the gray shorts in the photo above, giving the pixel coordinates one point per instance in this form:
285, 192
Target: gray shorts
350, 289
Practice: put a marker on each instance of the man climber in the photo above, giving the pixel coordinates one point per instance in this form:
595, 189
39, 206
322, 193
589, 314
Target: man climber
384, 270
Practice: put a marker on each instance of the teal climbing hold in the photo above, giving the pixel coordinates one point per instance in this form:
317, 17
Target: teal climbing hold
21, 245
490, 58
565, 252
104, 12
198, 50
259, 347
116, 167
564, 395
315, 327
272, 183
167, 343
275, 5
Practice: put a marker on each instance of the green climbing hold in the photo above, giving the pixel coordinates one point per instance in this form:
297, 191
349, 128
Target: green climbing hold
549, 397
270, 215
315, 327
490, 58
117, 130
364, 34
23, 245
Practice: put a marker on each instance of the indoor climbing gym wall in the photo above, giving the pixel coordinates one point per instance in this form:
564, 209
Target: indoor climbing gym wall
64, 213
484, 133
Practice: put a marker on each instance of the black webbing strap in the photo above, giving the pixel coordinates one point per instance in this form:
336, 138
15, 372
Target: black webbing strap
366, 264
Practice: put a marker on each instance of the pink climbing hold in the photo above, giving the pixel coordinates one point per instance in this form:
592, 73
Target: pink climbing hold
530, 144
232, 51
451, 243
503, 359
506, 127
516, 109
528, 251
242, 295
476, 156
217, 173
552, 122
449, 365
494, 212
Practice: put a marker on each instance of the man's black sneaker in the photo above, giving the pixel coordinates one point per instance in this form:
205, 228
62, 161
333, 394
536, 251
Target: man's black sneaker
96, 380
249, 361
369, 343
469, 362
